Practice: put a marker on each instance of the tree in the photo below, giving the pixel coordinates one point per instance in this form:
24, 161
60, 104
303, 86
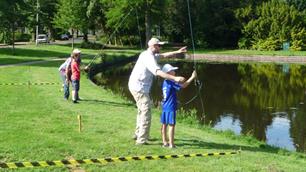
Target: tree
13, 14
214, 23
267, 26
71, 15
46, 11
150, 15
298, 4
96, 15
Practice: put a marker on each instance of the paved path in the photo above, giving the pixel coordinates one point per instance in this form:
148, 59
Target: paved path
249, 58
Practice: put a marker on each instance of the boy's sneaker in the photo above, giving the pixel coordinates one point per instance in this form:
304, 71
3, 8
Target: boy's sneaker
74, 101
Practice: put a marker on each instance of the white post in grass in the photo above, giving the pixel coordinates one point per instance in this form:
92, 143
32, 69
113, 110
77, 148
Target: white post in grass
37, 7
80, 123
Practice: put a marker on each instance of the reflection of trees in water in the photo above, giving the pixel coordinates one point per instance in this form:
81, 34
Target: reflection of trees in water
222, 87
298, 128
263, 86
269, 86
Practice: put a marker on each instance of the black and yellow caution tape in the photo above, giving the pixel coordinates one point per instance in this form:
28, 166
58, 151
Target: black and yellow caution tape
74, 162
29, 83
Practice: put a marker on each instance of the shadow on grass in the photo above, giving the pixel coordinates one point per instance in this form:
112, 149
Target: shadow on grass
109, 103
197, 144
10, 61
32, 53
56, 63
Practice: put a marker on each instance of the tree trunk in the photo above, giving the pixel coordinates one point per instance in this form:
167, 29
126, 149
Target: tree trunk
85, 38
148, 23
121, 42
85, 35
13, 29
52, 33
130, 42
115, 39
33, 35
72, 30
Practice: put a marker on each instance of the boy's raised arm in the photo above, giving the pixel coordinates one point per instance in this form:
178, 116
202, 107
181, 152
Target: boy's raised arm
192, 77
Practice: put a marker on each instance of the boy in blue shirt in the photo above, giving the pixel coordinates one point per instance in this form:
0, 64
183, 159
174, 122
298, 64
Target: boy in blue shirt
169, 104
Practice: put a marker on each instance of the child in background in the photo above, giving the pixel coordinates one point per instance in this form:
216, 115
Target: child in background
76, 74
64, 69
169, 104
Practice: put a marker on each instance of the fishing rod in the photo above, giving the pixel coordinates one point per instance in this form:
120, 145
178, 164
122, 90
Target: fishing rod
197, 81
111, 36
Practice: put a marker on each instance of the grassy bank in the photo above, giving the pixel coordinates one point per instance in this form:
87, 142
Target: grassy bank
38, 124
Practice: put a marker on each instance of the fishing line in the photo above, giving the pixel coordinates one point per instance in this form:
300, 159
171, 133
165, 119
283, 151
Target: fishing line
191, 34
111, 36
138, 25
197, 82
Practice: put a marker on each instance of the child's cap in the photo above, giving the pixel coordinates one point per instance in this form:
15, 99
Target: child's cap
167, 68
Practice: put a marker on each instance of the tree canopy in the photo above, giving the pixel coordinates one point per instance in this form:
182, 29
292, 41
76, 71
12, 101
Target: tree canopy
248, 24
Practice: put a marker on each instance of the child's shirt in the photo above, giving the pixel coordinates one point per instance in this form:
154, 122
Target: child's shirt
63, 67
75, 68
169, 95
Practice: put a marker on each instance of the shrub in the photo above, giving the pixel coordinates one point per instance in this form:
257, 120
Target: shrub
22, 37
189, 117
244, 43
91, 45
298, 42
270, 44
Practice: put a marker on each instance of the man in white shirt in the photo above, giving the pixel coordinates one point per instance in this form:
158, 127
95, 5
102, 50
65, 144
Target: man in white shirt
140, 83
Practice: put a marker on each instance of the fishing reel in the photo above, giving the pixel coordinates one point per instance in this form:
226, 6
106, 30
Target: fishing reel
198, 84
87, 68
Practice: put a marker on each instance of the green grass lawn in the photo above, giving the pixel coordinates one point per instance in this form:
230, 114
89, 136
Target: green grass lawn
36, 123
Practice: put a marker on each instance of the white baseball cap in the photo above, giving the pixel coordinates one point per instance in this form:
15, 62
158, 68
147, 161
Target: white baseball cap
154, 41
76, 51
167, 68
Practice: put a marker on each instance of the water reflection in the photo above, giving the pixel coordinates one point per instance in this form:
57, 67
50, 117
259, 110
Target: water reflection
229, 123
278, 133
264, 100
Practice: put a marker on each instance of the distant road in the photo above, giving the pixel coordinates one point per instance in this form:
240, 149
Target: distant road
57, 42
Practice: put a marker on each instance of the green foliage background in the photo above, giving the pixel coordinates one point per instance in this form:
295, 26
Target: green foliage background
244, 24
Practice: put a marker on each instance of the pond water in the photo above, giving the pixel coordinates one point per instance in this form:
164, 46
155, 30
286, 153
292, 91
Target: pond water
264, 100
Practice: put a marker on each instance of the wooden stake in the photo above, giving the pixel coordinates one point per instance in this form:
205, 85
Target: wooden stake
80, 123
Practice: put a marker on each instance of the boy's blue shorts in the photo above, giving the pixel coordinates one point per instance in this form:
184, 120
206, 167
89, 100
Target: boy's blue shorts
168, 118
